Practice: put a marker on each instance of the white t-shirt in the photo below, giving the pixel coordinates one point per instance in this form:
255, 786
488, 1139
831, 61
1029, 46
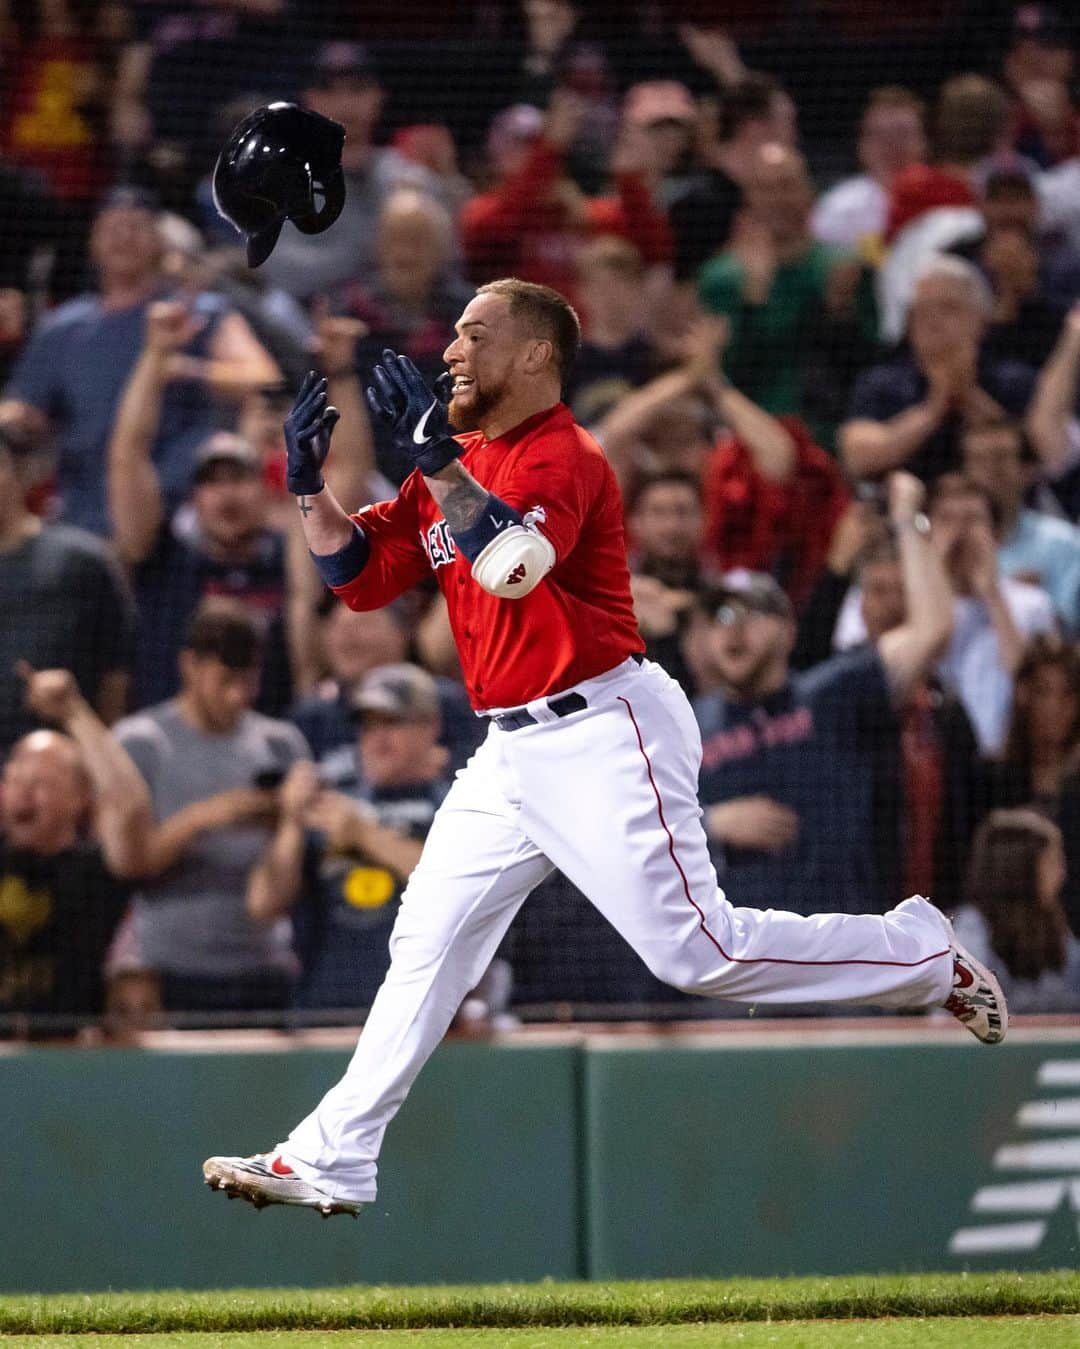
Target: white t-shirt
1059, 197
848, 212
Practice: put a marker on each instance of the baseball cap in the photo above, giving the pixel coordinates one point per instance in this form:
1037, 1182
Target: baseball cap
749, 591
342, 61
403, 691
224, 448
659, 101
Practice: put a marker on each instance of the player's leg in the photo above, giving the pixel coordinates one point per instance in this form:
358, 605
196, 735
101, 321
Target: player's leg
613, 803
476, 869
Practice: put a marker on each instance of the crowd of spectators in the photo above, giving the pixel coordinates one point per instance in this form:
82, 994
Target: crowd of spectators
827, 262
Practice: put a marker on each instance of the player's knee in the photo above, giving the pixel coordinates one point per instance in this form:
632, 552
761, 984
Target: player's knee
674, 968
689, 963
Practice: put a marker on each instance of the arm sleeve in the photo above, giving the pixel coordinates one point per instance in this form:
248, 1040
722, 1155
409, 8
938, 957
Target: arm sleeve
397, 560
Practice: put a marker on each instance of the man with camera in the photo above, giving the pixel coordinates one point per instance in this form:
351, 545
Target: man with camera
220, 775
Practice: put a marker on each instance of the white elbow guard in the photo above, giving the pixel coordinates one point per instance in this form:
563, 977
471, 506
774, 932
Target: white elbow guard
514, 562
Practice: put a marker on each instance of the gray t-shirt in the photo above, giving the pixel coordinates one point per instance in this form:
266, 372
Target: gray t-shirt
191, 919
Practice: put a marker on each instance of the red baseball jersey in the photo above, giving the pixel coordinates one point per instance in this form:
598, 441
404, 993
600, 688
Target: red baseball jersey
578, 622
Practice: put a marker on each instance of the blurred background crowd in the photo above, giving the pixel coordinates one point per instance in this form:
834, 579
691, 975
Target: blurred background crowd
827, 261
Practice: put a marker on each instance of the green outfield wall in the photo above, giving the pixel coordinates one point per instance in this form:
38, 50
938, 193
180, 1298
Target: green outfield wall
603, 1157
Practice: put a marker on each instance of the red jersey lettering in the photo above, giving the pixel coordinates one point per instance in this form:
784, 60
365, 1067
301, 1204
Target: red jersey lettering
577, 623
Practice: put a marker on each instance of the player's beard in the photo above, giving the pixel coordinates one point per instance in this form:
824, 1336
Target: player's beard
471, 413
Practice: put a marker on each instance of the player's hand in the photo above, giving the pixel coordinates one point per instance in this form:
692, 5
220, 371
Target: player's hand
753, 822
52, 695
308, 429
401, 398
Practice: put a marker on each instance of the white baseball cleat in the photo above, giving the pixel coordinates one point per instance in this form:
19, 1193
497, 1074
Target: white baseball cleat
268, 1179
976, 998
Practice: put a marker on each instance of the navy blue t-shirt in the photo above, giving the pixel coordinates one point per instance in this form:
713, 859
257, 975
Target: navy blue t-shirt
74, 369
884, 391
345, 914
816, 745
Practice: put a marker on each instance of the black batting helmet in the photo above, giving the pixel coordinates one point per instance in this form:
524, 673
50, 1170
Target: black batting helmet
273, 168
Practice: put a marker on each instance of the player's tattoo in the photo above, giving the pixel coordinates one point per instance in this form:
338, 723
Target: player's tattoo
464, 502
305, 509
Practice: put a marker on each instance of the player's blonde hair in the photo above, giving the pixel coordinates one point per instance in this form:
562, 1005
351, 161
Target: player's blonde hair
546, 312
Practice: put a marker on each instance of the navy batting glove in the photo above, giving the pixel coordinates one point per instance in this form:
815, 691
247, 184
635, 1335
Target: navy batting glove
308, 429
401, 398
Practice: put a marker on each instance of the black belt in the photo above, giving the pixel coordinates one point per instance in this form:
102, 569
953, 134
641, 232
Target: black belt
562, 706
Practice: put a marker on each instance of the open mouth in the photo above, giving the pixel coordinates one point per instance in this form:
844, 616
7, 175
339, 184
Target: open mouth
462, 383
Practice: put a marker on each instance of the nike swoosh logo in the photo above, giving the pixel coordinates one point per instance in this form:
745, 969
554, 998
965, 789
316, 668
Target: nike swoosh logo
419, 435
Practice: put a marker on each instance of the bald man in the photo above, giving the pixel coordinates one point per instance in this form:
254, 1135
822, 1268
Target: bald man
71, 810
782, 292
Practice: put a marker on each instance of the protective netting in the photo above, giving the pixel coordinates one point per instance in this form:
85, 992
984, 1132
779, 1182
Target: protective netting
826, 258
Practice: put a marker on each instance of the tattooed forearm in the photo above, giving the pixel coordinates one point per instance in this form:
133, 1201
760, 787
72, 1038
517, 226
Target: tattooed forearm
459, 495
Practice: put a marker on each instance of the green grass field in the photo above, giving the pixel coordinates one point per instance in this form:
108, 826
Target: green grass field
1013, 1332
1040, 1310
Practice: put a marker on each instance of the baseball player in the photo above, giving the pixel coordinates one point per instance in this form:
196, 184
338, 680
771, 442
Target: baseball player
590, 762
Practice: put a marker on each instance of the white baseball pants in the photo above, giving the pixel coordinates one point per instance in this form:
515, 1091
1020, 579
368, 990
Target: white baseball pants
609, 796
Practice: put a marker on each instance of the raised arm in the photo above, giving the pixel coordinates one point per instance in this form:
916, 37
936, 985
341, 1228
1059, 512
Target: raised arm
622, 428
349, 475
1052, 407
238, 360
906, 651
123, 814
133, 490
769, 443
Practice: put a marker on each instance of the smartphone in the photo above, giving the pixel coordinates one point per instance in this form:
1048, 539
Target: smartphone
268, 779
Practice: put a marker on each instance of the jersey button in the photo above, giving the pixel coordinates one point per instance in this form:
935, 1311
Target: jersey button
461, 580
467, 633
